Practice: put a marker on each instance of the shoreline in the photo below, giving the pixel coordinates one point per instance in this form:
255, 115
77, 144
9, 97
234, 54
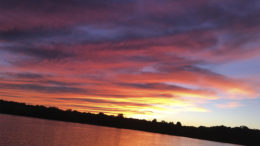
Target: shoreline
114, 127
237, 135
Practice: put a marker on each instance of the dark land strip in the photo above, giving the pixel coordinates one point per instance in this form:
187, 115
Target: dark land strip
236, 135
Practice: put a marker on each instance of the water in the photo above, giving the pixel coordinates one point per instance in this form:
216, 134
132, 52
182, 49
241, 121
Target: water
24, 131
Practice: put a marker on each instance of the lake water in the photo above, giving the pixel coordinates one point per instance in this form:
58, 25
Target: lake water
24, 131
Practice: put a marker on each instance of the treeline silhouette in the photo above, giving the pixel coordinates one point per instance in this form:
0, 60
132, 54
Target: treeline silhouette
236, 135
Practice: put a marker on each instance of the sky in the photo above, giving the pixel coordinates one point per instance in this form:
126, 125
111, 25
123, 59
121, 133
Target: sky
194, 61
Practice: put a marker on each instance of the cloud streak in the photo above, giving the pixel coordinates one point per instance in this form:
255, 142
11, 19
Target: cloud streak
229, 105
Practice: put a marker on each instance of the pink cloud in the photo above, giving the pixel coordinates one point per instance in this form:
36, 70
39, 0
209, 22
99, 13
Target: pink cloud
229, 105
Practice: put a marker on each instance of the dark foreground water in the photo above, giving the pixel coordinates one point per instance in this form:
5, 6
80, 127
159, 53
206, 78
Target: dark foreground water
24, 131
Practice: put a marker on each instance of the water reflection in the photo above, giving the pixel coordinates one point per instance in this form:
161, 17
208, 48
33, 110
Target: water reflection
23, 131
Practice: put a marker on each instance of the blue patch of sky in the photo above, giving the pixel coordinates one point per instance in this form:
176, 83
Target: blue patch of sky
241, 68
247, 114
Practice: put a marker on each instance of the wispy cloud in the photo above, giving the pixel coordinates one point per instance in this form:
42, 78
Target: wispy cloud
229, 105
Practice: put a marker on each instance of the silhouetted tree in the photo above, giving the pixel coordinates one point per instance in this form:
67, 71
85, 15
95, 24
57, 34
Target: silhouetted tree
239, 135
101, 114
120, 115
244, 127
178, 124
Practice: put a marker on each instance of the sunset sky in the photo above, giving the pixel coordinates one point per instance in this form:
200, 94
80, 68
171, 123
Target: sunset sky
194, 61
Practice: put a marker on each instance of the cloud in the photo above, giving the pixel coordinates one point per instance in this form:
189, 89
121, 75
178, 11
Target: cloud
42, 88
23, 75
229, 105
100, 101
39, 53
145, 54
